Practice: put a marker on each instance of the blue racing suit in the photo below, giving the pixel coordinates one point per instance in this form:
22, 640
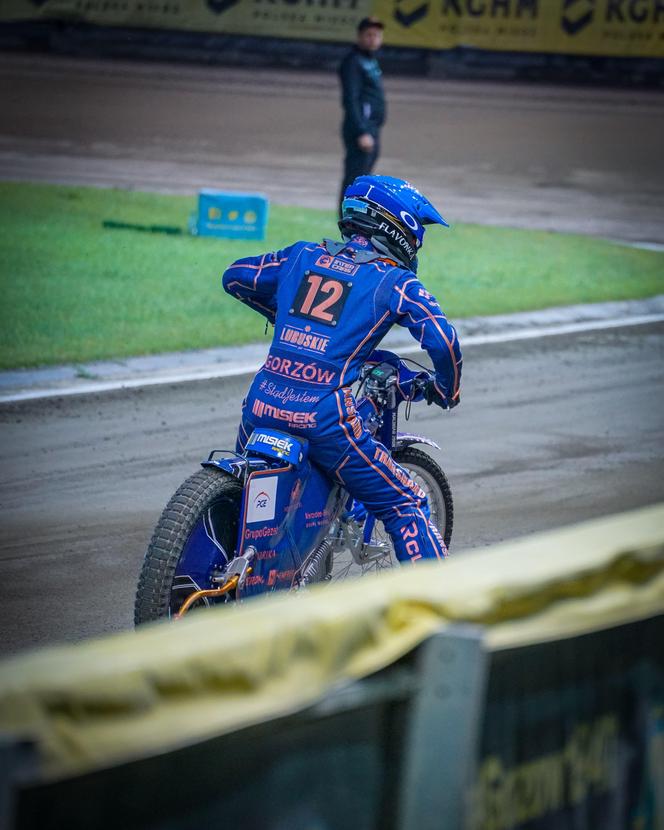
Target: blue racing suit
331, 304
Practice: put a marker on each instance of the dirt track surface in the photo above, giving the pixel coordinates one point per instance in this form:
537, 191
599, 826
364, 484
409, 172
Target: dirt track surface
558, 158
550, 432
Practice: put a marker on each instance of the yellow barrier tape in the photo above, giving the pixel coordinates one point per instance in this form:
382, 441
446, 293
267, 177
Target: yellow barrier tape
135, 694
587, 27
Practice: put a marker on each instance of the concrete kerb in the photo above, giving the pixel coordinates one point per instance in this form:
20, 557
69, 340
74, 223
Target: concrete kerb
205, 364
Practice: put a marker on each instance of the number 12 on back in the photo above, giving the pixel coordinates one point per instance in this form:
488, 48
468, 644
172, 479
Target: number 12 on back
321, 298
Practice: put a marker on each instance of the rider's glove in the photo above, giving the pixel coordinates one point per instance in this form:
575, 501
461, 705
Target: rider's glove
432, 395
415, 386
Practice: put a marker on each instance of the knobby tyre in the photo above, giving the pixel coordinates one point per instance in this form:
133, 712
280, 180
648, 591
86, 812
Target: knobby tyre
207, 490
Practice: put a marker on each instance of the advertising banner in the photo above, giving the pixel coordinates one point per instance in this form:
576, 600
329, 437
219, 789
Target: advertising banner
590, 27
298, 19
573, 734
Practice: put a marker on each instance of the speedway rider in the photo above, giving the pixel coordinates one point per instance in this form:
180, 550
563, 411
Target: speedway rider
331, 304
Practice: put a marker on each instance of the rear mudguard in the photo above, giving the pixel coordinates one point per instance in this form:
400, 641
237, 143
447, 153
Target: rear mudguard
406, 439
236, 465
265, 448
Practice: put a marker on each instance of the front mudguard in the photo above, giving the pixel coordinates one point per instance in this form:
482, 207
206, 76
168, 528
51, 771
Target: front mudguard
407, 439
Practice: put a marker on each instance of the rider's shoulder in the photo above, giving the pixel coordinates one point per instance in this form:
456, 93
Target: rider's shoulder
295, 249
301, 243
404, 275
307, 246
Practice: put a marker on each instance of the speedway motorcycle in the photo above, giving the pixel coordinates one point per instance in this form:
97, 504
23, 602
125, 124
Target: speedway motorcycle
269, 519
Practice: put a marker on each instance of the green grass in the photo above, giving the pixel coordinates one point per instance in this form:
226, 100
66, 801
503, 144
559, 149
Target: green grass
73, 291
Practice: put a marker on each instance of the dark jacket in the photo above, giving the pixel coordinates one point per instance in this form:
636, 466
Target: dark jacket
362, 95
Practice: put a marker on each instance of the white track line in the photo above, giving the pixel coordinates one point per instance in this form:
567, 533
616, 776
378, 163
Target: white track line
558, 329
249, 368
132, 383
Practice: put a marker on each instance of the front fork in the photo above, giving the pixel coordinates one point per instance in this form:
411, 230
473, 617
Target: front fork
359, 514
353, 530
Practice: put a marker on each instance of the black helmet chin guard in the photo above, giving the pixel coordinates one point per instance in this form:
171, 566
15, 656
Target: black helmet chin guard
386, 233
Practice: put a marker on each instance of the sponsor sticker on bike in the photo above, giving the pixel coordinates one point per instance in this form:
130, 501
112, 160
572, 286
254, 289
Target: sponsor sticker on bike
261, 499
275, 444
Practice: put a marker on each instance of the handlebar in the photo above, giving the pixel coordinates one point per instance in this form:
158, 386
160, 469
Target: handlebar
421, 384
385, 383
392, 382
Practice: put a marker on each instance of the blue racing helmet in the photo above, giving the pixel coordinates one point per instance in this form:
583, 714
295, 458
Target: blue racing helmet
391, 213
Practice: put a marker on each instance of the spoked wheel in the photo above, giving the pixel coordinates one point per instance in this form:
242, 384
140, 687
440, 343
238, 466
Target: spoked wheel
429, 476
191, 544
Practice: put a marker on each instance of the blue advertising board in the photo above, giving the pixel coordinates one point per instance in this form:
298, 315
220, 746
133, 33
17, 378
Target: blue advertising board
230, 215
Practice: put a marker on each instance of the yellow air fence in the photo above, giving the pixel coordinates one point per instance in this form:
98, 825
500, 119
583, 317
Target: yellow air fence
516, 684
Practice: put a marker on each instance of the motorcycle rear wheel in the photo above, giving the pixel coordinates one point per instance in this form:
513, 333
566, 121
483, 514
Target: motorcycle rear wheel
428, 474
207, 493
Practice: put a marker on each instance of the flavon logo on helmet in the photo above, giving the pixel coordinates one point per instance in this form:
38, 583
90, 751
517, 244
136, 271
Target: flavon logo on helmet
399, 238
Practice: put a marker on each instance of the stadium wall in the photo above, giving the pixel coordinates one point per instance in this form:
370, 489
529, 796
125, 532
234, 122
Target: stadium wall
610, 41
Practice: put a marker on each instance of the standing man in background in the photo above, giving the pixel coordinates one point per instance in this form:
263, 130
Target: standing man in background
363, 102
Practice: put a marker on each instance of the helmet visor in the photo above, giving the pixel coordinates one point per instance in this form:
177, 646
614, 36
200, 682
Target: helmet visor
378, 215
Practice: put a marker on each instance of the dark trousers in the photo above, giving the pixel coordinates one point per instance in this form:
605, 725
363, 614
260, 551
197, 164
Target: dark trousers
356, 163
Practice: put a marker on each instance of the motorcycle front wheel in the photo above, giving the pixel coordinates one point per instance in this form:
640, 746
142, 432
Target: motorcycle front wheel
194, 539
428, 474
